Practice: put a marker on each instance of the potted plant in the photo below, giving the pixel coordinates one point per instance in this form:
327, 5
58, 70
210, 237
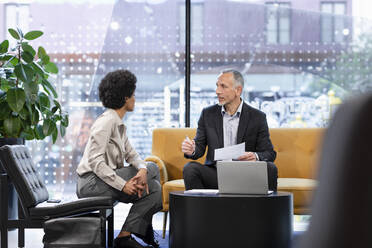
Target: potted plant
29, 106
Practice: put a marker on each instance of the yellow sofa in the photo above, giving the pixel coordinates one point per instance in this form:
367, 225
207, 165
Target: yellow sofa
297, 150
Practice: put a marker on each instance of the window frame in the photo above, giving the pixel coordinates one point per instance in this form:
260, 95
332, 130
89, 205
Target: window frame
5, 19
333, 35
278, 28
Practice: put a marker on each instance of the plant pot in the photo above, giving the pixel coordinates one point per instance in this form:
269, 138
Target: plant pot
12, 194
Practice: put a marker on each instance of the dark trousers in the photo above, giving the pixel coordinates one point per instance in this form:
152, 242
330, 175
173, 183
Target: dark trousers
200, 176
142, 210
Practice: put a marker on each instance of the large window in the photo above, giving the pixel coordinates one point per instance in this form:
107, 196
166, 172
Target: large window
333, 24
95, 38
290, 74
278, 23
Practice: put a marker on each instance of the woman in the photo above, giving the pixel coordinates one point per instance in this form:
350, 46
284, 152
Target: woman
102, 172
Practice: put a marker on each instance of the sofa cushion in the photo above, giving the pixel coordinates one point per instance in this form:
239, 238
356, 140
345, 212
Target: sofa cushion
302, 190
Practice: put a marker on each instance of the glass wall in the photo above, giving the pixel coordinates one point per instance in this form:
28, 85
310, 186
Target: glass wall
298, 64
94, 38
145, 39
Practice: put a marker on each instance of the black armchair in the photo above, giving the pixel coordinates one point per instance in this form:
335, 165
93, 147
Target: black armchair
32, 194
341, 212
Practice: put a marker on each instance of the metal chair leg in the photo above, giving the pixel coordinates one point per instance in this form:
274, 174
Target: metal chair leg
4, 210
165, 223
21, 237
110, 228
21, 228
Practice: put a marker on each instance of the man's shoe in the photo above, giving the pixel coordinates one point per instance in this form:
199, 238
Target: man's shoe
127, 242
149, 237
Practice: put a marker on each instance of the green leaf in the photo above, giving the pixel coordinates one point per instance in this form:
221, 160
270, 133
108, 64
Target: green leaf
24, 72
44, 101
16, 98
6, 84
46, 90
28, 133
39, 132
14, 34
54, 109
27, 57
51, 67
20, 32
28, 48
50, 86
33, 35
12, 126
6, 57
9, 59
45, 60
13, 60
5, 111
65, 121
35, 116
41, 52
55, 135
62, 129
4, 46
47, 113
31, 90
38, 70
57, 104
2, 96
48, 127
23, 113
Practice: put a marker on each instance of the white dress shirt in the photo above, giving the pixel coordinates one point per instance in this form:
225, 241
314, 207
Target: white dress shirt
107, 149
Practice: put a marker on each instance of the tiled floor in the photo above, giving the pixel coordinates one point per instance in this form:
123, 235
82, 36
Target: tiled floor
34, 237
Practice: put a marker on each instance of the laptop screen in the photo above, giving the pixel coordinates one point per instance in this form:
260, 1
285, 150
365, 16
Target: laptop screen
242, 177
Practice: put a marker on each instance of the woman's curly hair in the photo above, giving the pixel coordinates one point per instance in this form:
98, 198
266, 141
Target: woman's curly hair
115, 86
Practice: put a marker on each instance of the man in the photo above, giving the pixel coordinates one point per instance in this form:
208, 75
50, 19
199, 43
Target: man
228, 123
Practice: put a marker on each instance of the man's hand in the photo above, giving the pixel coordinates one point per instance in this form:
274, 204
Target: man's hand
248, 156
188, 146
141, 179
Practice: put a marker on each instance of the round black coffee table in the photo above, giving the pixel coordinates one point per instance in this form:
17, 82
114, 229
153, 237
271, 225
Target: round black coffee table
213, 220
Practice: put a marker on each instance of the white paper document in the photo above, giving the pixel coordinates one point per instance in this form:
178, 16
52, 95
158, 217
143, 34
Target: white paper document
230, 152
201, 191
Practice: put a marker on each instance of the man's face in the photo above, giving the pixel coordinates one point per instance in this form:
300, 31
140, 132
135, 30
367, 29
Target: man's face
226, 92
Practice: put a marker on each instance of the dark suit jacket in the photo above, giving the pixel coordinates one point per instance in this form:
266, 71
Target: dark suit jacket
252, 130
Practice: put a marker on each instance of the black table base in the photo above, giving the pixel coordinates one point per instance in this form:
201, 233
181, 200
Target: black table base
230, 220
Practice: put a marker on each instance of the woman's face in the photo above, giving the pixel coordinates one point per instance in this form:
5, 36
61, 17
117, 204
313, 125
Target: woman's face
130, 102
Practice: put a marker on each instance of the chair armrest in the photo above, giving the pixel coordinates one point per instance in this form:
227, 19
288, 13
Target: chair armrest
162, 167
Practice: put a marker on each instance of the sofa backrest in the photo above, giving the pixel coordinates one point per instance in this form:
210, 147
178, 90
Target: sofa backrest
166, 144
297, 150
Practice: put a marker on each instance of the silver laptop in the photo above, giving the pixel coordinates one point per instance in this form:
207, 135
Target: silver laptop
242, 177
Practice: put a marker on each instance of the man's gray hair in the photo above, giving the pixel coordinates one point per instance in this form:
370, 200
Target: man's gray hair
238, 77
